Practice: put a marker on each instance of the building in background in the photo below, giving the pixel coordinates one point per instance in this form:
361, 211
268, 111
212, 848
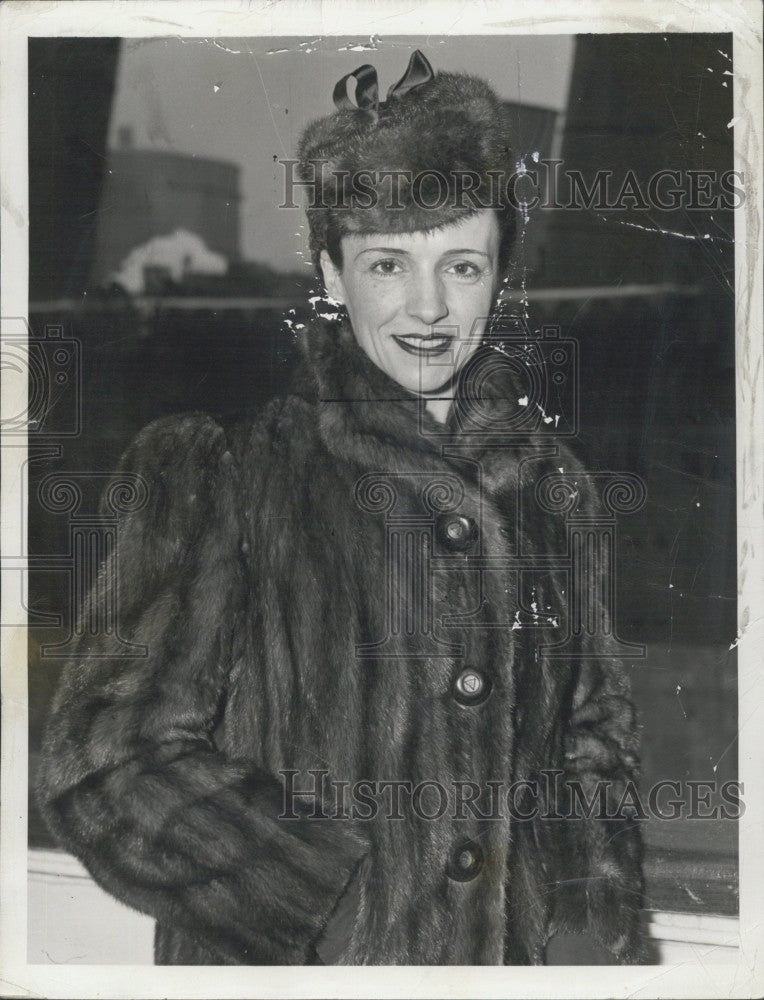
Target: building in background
154, 193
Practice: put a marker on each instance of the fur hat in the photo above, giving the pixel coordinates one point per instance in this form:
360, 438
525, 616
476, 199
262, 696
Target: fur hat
437, 149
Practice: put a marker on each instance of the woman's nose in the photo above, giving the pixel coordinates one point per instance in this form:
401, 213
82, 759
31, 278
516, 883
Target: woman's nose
426, 299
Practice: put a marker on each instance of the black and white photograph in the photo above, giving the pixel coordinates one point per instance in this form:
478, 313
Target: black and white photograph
382, 499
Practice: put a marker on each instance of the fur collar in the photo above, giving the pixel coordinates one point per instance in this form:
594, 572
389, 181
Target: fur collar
364, 415
367, 418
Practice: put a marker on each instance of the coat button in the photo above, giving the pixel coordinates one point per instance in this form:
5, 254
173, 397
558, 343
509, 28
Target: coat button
471, 687
465, 862
456, 533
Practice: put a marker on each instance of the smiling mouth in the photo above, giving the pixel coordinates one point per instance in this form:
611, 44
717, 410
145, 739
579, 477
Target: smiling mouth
430, 346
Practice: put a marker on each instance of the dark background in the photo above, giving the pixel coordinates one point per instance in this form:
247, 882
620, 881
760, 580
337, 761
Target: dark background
652, 312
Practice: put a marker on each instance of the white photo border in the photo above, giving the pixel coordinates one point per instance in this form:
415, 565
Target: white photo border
192, 18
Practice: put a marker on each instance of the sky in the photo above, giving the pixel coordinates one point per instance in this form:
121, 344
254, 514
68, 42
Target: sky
246, 100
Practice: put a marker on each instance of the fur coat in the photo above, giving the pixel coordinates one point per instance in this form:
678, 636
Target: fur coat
306, 616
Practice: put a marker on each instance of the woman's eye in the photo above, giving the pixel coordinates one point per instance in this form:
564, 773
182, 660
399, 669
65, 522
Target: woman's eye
466, 269
386, 267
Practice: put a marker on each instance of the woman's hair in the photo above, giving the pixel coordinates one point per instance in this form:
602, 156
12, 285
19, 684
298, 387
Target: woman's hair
435, 151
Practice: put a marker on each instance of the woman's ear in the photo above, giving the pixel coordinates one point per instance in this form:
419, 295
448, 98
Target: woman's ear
332, 278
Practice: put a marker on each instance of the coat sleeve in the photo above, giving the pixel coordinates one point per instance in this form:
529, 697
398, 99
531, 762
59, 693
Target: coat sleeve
597, 884
131, 779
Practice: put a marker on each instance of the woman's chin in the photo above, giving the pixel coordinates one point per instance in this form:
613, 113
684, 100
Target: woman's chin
418, 383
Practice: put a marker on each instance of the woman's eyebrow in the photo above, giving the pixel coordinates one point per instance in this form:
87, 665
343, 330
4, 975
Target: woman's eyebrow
381, 250
481, 253
400, 250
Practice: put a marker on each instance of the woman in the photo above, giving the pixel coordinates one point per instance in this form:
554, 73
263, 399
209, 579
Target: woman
345, 742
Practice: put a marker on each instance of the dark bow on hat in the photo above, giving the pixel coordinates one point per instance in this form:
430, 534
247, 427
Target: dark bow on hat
418, 71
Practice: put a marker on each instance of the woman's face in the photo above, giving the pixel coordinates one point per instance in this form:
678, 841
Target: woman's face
419, 302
